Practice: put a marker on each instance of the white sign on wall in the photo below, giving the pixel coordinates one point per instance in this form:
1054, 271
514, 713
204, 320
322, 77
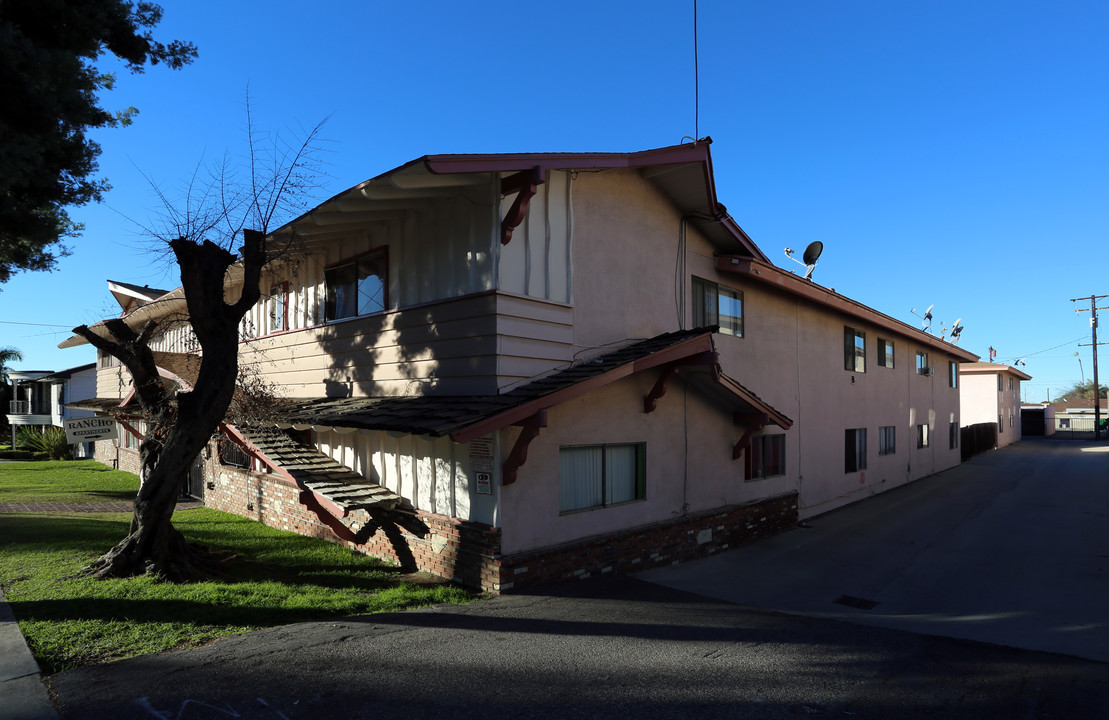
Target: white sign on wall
83, 430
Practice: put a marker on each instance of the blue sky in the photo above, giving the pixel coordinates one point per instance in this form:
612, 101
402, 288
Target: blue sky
947, 153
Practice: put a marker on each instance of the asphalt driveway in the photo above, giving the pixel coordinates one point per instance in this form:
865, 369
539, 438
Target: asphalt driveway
1011, 548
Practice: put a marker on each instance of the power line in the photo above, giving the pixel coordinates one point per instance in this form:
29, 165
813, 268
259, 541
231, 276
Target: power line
12, 322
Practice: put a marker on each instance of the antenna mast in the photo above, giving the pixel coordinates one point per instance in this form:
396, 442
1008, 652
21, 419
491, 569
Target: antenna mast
696, 81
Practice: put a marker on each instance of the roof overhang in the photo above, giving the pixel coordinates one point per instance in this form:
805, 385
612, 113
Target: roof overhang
682, 172
784, 281
985, 368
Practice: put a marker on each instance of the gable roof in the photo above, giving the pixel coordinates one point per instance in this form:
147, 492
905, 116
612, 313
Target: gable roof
682, 172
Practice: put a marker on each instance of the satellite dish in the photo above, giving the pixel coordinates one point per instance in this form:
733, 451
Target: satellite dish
926, 325
956, 330
812, 252
810, 256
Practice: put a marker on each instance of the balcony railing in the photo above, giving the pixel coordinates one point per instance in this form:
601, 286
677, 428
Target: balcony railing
23, 407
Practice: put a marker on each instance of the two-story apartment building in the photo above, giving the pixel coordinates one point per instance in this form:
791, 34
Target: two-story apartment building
39, 397
513, 369
990, 392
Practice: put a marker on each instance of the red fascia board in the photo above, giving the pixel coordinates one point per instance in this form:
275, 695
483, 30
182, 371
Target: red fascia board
674, 154
790, 283
747, 396
692, 346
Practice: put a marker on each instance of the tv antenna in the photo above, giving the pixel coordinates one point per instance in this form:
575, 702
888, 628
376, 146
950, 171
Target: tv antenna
810, 256
926, 318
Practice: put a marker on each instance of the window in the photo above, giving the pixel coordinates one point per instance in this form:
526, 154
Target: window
1000, 423
922, 364
356, 287
953, 435
854, 450
1010, 383
854, 350
601, 475
766, 457
129, 439
885, 353
952, 374
1000, 387
887, 440
1011, 420
922, 439
277, 305
106, 360
717, 305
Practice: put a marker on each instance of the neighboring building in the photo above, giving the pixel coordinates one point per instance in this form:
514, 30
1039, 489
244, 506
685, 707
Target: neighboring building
512, 369
1078, 416
990, 392
1037, 420
39, 397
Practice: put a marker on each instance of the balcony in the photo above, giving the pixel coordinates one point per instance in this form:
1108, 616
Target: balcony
22, 412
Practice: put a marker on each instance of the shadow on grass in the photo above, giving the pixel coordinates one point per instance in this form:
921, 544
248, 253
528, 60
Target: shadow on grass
257, 553
157, 610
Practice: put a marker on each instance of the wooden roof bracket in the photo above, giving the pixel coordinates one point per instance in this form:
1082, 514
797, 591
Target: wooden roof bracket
525, 184
650, 402
754, 423
519, 454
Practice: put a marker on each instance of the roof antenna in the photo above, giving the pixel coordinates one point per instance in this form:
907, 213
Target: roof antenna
810, 256
926, 325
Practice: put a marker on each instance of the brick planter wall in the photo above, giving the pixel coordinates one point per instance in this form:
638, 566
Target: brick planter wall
414, 540
107, 453
663, 543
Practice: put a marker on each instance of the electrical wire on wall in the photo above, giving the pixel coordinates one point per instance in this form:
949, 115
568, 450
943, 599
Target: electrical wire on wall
679, 276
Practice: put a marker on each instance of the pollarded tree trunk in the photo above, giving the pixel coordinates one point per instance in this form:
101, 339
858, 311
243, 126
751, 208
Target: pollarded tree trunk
184, 423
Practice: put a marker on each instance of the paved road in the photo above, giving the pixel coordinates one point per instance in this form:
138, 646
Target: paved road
616, 648
1011, 548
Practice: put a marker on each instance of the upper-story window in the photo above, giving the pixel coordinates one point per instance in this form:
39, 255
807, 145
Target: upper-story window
356, 286
277, 307
922, 367
885, 353
854, 350
715, 304
952, 374
106, 360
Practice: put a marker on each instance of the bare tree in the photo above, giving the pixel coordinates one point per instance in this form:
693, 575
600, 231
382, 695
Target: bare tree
199, 231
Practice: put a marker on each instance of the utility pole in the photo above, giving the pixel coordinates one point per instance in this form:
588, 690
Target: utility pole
1094, 343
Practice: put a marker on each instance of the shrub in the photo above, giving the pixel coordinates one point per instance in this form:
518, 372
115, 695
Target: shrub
49, 440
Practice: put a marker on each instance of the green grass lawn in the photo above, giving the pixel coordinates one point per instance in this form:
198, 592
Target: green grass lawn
65, 481
273, 578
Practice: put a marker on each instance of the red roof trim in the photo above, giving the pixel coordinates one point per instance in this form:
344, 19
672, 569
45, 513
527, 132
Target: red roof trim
785, 281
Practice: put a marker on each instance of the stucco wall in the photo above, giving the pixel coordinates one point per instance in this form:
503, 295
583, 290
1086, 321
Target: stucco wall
689, 465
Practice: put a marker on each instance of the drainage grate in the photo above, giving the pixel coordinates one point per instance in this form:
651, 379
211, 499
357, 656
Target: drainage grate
860, 603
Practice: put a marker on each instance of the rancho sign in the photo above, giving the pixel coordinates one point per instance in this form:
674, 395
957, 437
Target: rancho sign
90, 429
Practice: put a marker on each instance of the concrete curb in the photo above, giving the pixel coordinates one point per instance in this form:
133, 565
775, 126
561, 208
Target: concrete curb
25, 697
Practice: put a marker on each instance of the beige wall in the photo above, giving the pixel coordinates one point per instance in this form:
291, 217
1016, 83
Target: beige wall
689, 465
982, 402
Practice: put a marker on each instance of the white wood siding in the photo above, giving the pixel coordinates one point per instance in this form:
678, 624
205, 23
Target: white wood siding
433, 474
536, 262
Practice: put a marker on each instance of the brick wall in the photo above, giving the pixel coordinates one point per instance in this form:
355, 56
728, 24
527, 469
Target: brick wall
414, 540
468, 552
117, 457
663, 543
